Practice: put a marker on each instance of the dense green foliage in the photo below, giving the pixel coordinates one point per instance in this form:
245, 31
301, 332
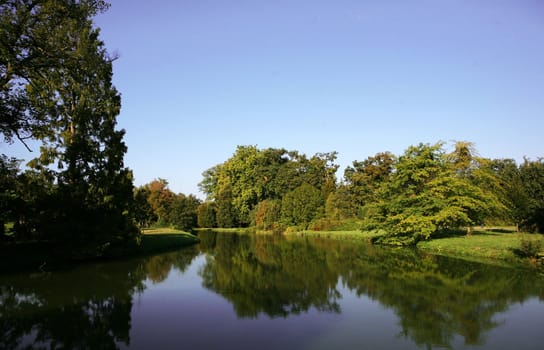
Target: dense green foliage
430, 192
206, 215
424, 192
56, 87
252, 176
301, 205
532, 211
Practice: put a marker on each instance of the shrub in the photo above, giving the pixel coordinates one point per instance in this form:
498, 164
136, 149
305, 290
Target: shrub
267, 214
530, 247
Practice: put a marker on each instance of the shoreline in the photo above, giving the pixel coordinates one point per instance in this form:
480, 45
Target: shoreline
43, 257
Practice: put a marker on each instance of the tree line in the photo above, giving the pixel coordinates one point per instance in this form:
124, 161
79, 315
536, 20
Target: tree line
421, 193
56, 90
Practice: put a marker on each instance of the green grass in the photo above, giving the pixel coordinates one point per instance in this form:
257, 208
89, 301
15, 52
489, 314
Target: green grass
497, 244
226, 230
161, 231
164, 239
338, 235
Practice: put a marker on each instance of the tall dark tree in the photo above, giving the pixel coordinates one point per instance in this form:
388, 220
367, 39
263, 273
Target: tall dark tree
36, 41
183, 212
56, 87
9, 169
532, 176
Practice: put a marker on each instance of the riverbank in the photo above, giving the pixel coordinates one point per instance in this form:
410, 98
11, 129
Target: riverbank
38, 256
499, 246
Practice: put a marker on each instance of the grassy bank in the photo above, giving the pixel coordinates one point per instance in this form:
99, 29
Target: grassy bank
164, 239
490, 245
338, 235
36, 256
487, 245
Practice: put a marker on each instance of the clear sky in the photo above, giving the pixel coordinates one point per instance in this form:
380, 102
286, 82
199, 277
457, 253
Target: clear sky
199, 77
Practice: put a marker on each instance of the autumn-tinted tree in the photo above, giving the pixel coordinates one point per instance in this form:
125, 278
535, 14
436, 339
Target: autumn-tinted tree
364, 178
268, 214
160, 199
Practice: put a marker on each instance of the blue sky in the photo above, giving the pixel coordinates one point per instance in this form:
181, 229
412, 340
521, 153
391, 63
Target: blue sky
199, 77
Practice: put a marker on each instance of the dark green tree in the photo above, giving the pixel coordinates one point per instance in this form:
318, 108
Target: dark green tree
302, 205
532, 176
225, 213
9, 169
183, 212
342, 204
206, 215
363, 179
252, 175
37, 41
143, 211
57, 88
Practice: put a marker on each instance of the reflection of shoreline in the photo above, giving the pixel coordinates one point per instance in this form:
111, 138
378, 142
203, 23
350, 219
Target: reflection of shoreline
435, 298
88, 306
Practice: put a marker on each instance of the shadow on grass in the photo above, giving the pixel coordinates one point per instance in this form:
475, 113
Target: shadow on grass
42, 256
501, 230
449, 233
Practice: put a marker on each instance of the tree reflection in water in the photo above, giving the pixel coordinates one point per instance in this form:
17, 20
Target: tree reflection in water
435, 298
87, 307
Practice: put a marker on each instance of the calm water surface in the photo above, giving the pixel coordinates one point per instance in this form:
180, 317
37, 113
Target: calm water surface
247, 292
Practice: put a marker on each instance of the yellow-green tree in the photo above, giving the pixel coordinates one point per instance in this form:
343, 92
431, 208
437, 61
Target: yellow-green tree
430, 191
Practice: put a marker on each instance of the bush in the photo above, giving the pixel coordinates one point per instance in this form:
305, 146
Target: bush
267, 214
530, 248
302, 205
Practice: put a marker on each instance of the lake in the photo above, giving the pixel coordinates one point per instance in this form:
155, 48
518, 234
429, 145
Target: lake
268, 292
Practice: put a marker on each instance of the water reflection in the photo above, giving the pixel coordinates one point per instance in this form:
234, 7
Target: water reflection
88, 307
435, 298
268, 280
268, 275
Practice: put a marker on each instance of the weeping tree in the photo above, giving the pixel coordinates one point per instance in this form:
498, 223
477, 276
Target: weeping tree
56, 87
432, 191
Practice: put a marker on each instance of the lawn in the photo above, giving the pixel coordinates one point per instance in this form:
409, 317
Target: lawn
163, 239
497, 245
339, 235
489, 244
